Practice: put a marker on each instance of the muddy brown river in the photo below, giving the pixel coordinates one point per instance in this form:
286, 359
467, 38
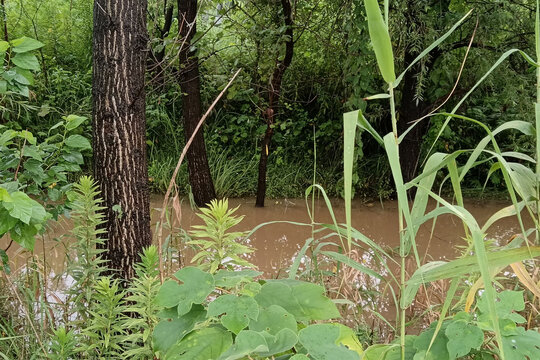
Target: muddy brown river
277, 244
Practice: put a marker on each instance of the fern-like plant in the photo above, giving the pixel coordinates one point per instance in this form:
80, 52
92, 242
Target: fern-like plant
105, 333
142, 307
85, 264
63, 344
218, 246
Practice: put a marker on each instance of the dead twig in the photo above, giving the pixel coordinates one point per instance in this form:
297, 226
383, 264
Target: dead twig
172, 183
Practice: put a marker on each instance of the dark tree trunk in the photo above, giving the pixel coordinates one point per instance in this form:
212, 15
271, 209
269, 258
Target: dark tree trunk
119, 128
4, 20
410, 109
156, 64
200, 178
274, 92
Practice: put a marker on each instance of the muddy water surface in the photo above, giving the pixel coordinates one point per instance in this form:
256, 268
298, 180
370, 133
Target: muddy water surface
277, 244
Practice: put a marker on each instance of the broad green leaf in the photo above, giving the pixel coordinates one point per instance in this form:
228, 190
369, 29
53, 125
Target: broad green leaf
24, 235
4, 45
197, 285
171, 330
238, 311
7, 136
437, 351
23, 76
229, 279
28, 136
273, 319
21, 206
74, 157
394, 352
379, 352
203, 344
525, 345
73, 121
305, 301
23, 44
4, 195
284, 340
33, 152
380, 38
8, 222
348, 338
507, 305
247, 342
26, 61
322, 343
299, 357
78, 141
462, 337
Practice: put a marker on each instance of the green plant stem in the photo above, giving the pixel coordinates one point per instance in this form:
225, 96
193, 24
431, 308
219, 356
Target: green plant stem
537, 113
400, 219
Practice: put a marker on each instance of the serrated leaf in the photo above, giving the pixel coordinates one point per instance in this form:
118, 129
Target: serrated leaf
238, 311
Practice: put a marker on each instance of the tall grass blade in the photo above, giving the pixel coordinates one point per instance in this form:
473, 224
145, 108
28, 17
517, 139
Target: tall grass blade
380, 39
391, 148
349, 134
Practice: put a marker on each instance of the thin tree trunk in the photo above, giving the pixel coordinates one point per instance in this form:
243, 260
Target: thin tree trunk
273, 100
156, 59
119, 128
4, 20
200, 178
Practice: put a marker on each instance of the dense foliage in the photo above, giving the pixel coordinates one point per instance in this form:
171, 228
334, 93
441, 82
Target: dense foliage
333, 69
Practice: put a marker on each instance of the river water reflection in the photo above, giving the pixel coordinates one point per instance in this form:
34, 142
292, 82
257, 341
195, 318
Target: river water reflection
277, 244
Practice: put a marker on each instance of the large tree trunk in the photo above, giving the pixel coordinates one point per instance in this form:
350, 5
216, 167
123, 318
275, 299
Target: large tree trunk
200, 179
119, 128
273, 101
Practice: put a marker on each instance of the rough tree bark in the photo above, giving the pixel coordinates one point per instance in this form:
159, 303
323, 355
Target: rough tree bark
274, 92
200, 178
119, 128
